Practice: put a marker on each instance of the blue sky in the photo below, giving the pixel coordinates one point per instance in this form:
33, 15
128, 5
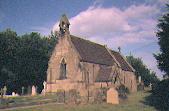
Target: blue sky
130, 24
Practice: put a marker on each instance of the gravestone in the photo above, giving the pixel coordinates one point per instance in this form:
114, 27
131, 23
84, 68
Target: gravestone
13, 93
29, 91
16, 94
33, 90
1, 93
150, 85
44, 89
44, 85
139, 79
4, 90
22, 91
112, 96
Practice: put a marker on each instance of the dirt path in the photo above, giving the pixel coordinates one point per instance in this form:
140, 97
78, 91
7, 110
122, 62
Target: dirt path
23, 107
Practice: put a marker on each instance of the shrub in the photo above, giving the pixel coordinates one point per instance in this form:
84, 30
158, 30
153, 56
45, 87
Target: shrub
60, 95
100, 95
74, 96
160, 96
140, 87
123, 91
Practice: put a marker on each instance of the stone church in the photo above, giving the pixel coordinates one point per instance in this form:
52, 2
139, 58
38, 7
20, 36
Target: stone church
80, 64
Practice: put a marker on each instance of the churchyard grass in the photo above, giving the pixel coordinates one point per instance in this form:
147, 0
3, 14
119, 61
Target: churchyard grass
28, 100
135, 102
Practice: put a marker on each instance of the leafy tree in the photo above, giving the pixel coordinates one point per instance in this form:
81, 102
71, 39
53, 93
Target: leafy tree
160, 96
24, 59
33, 57
141, 70
163, 41
8, 48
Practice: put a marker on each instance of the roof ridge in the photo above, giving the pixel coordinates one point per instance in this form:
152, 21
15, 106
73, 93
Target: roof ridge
108, 49
88, 40
124, 58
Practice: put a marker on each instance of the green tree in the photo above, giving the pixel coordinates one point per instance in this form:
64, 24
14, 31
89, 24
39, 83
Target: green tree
163, 41
24, 59
141, 70
8, 48
33, 60
160, 95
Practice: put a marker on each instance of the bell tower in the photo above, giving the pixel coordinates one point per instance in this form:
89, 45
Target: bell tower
64, 25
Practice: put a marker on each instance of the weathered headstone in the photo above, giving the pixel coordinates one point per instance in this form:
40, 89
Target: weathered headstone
33, 90
139, 79
29, 92
44, 85
150, 85
22, 91
13, 93
44, 89
16, 94
112, 96
1, 93
4, 90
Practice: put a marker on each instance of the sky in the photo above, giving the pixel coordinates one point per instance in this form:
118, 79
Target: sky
130, 24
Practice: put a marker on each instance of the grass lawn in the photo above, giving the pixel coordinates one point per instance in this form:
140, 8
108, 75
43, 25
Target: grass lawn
28, 100
134, 103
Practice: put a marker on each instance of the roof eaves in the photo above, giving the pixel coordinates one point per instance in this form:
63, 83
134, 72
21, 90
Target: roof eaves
128, 63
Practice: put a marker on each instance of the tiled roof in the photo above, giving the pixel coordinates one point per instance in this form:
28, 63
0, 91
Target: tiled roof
92, 52
123, 63
99, 54
104, 74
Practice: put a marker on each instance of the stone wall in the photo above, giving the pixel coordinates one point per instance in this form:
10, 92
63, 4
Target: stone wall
65, 50
129, 80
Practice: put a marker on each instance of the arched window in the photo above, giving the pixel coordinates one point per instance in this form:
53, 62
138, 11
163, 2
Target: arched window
63, 69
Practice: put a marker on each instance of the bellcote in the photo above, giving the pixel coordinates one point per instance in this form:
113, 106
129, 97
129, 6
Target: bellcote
64, 25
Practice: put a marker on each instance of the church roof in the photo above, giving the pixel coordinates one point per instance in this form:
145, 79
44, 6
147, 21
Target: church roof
123, 63
104, 74
99, 54
92, 52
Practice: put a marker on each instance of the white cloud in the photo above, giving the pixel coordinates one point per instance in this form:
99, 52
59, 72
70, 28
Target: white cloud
135, 24
140, 12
